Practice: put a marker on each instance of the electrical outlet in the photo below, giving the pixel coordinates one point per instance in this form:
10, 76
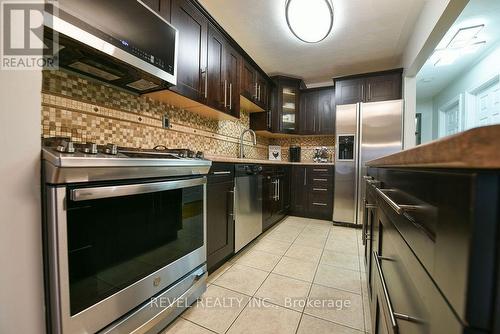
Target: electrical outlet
165, 122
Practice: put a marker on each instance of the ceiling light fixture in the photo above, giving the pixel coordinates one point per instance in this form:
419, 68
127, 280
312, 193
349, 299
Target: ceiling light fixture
465, 41
309, 20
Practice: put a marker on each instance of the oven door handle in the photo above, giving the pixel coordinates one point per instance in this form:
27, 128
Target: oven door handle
85, 194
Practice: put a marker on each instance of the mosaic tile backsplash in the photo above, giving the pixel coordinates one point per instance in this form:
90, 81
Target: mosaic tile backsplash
85, 110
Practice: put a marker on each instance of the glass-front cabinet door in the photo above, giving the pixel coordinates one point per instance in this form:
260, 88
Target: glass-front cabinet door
289, 108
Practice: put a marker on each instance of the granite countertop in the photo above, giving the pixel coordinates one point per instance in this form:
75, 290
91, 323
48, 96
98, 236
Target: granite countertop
473, 149
216, 158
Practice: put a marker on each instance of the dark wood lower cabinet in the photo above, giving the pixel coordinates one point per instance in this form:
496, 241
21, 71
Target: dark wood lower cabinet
312, 192
220, 217
275, 194
432, 250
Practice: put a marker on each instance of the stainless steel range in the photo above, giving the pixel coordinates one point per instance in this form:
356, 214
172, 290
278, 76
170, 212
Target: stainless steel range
125, 236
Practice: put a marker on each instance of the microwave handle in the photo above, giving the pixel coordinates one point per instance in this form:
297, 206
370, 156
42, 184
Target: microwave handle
85, 194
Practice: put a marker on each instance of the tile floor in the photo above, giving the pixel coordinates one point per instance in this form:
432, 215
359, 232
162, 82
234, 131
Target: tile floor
302, 276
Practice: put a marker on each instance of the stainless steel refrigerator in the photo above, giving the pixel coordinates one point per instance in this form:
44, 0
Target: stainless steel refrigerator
365, 131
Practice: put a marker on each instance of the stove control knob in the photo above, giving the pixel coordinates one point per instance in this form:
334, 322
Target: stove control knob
111, 149
199, 155
66, 146
90, 148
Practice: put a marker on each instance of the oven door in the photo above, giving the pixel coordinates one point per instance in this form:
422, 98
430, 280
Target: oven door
113, 246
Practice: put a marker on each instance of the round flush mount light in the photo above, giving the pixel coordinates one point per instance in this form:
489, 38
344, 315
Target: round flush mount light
309, 20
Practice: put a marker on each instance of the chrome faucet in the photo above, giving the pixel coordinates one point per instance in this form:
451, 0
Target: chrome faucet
242, 152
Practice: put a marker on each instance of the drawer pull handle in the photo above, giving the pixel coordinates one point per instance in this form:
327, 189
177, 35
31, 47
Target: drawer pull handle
222, 173
322, 180
320, 189
320, 204
320, 170
393, 315
387, 300
400, 209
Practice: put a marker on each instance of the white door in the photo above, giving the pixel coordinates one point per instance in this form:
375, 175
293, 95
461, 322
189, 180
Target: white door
488, 106
452, 119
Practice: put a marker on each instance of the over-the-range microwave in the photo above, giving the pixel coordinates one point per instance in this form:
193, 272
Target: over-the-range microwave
121, 42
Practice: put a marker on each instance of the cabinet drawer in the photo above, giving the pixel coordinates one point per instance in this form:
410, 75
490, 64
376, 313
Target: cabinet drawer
220, 172
319, 171
408, 292
321, 182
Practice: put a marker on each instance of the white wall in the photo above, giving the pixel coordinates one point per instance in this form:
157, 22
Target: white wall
482, 71
21, 278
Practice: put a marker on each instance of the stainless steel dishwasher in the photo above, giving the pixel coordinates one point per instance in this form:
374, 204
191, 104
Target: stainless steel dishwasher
247, 204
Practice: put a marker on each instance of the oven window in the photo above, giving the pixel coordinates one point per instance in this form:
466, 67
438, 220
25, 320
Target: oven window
114, 242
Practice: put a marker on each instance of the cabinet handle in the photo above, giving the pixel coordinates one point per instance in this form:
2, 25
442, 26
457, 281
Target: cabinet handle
222, 173
225, 93
320, 170
369, 92
205, 80
278, 187
393, 315
319, 189
320, 204
230, 96
269, 115
400, 209
256, 96
322, 180
305, 176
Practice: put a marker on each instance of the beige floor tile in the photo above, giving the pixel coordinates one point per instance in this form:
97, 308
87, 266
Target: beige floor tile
181, 326
268, 319
216, 274
305, 253
335, 305
272, 246
317, 228
217, 309
238, 255
295, 268
368, 320
335, 277
284, 291
342, 260
259, 259
242, 279
342, 245
287, 234
317, 241
312, 325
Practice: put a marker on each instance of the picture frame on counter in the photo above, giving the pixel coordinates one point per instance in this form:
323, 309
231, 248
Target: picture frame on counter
275, 152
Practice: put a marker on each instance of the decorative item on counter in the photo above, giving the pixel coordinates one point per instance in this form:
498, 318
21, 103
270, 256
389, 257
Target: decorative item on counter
321, 154
274, 152
294, 153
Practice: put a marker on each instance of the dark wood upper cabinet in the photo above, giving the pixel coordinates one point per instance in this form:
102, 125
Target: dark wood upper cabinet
308, 117
383, 88
216, 70
262, 91
192, 50
349, 91
248, 81
326, 112
166, 9
317, 111
286, 113
232, 69
370, 87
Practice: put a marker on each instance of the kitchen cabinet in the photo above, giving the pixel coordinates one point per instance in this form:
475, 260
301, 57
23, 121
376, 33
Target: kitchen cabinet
161, 7
254, 85
370, 87
275, 194
286, 113
223, 72
192, 50
317, 111
312, 191
433, 239
220, 216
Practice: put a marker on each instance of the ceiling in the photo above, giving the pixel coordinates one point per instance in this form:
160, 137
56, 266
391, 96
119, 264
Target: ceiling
433, 79
367, 35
